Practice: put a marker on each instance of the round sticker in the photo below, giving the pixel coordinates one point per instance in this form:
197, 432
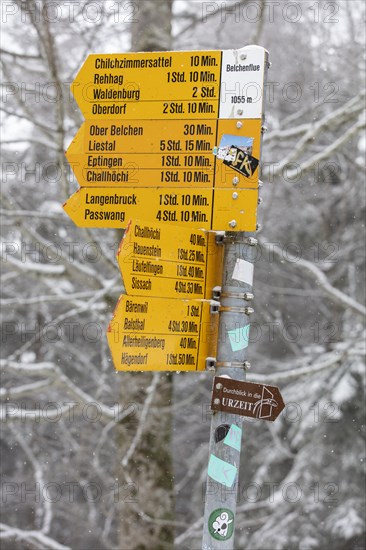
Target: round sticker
221, 524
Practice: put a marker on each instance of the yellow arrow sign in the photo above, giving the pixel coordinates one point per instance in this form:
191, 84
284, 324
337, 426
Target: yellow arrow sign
140, 338
149, 85
170, 261
108, 153
219, 210
172, 85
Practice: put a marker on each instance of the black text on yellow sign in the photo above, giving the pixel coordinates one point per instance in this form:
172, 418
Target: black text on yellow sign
181, 153
141, 338
213, 209
170, 261
172, 85
149, 85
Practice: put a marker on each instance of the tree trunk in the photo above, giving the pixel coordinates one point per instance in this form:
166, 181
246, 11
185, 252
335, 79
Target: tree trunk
150, 467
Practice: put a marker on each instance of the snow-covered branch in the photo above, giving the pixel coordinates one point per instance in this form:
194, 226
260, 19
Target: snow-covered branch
35, 539
59, 378
32, 267
327, 151
44, 513
141, 427
320, 279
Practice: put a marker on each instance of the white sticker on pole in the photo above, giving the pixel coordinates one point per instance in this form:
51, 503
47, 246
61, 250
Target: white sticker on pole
242, 83
243, 272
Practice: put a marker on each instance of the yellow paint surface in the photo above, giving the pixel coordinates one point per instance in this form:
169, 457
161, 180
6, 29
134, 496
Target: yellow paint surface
151, 334
156, 259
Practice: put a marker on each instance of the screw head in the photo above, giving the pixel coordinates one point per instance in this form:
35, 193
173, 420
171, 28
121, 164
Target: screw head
239, 124
219, 386
240, 111
233, 223
243, 56
235, 195
235, 180
217, 401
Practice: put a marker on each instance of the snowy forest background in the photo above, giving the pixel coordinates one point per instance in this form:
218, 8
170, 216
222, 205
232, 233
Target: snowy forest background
103, 460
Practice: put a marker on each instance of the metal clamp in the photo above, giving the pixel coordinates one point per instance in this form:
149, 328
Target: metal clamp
247, 296
251, 241
235, 309
233, 364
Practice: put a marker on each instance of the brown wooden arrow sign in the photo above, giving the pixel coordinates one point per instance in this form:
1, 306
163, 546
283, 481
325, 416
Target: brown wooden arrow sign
246, 398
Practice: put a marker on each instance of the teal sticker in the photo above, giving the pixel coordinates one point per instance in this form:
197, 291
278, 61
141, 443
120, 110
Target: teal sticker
233, 437
221, 471
221, 524
239, 338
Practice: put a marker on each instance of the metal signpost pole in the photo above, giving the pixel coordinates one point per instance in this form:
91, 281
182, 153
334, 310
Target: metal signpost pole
226, 429
222, 484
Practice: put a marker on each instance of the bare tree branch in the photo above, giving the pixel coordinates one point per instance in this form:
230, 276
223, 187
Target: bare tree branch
37, 539
321, 280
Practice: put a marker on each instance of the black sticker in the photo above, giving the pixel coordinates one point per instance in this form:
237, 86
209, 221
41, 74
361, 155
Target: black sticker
243, 163
221, 432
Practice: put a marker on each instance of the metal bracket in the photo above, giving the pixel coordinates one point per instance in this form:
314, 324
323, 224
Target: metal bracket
219, 238
214, 308
216, 293
210, 363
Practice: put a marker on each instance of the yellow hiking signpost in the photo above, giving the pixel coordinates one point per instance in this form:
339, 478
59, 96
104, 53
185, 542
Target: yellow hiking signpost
170, 151
141, 338
149, 85
163, 85
114, 207
177, 131
110, 154
166, 260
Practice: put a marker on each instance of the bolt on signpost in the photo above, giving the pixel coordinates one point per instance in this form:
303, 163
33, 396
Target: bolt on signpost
176, 165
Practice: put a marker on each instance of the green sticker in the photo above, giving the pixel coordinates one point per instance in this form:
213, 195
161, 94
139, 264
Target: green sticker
221, 524
221, 471
233, 438
239, 338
